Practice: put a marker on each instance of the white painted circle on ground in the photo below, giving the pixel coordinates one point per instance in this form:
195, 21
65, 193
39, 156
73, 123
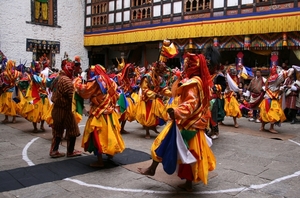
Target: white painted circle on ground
241, 189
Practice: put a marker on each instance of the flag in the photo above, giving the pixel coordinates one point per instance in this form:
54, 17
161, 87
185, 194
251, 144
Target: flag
172, 148
232, 84
246, 72
122, 102
184, 154
167, 150
167, 51
249, 71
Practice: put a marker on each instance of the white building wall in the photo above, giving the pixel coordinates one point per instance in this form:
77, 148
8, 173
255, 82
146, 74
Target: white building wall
14, 31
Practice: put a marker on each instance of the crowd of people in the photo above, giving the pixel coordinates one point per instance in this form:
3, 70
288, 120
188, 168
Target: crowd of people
282, 85
191, 101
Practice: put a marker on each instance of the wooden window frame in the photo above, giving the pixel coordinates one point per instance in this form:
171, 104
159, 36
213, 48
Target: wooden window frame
52, 14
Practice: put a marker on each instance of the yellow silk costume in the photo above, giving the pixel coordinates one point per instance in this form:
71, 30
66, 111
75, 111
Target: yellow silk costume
192, 115
131, 97
35, 103
9, 76
270, 107
103, 125
231, 105
8, 106
132, 107
271, 111
149, 107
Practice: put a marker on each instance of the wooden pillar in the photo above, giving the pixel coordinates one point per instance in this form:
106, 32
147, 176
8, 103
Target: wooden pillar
211, 8
172, 10
161, 11
183, 10
254, 7
225, 7
239, 6
122, 17
115, 14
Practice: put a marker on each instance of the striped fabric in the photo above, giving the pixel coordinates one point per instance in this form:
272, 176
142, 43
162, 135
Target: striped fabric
64, 119
62, 115
63, 91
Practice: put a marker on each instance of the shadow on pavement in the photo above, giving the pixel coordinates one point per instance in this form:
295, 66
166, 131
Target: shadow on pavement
49, 172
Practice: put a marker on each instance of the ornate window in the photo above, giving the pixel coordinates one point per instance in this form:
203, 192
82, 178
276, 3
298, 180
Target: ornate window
188, 6
148, 13
144, 13
99, 20
140, 2
100, 8
134, 15
44, 12
141, 13
207, 5
99, 13
43, 50
194, 5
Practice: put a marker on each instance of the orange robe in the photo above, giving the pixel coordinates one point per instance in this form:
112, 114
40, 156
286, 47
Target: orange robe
150, 108
191, 115
8, 77
102, 129
231, 105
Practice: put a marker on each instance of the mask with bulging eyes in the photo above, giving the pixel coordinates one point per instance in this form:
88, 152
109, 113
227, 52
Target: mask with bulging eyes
232, 71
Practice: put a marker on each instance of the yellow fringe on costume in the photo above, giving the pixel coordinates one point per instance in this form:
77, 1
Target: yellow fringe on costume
206, 161
157, 110
8, 107
275, 113
108, 132
232, 108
